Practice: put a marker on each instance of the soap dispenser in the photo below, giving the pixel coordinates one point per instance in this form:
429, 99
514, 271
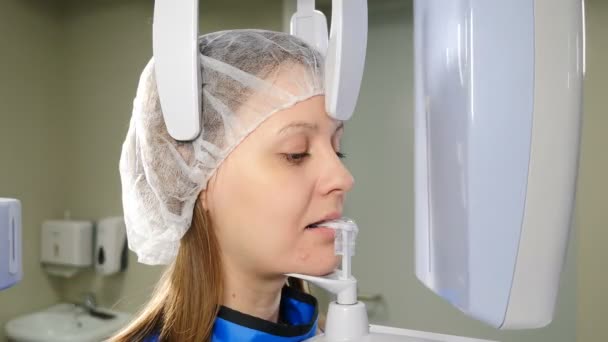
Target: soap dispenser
111, 253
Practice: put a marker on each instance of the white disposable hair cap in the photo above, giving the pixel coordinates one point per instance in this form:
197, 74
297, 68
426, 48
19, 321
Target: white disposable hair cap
247, 75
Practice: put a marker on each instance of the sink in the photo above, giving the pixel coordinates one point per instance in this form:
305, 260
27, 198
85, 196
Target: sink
66, 323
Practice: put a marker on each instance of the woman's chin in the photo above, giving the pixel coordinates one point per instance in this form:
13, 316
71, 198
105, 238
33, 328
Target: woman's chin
322, 267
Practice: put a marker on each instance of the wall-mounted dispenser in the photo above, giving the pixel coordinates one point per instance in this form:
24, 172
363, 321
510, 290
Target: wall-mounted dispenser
10, 242
67, 246
111, 253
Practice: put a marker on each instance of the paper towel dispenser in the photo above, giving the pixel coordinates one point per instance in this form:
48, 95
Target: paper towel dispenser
67, 242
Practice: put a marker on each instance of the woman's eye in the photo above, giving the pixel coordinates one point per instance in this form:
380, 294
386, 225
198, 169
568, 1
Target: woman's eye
296, 158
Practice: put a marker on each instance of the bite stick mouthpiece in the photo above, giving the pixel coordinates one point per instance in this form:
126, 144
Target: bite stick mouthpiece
346, 234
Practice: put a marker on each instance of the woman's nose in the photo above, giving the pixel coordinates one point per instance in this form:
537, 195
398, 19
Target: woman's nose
335, 176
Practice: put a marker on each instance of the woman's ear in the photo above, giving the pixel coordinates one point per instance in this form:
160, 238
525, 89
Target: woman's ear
203, 198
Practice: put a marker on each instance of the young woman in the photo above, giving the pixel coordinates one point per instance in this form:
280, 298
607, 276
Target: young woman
231, 211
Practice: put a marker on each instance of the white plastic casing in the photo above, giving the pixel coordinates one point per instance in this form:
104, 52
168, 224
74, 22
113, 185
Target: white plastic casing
176, 66
497, 130
11, 271
310, 25
345, 57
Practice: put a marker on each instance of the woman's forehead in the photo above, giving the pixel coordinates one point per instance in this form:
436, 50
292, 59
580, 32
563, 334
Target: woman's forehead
308, 115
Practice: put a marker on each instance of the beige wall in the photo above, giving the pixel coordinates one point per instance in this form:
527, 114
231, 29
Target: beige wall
32, 141
592, 205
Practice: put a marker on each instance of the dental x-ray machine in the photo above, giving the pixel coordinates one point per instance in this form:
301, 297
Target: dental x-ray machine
498, 89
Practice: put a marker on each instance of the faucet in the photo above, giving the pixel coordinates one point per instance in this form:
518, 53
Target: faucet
89, 302
87, 306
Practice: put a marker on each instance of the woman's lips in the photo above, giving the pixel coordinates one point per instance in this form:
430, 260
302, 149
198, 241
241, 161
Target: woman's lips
326, 232
331, 216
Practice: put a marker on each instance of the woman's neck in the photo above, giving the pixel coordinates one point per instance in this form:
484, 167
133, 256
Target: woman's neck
252, 295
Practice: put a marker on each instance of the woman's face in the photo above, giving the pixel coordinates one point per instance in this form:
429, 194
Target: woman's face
284, 176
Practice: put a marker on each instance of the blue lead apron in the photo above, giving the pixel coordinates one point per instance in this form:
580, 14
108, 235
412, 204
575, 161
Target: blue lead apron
298, 316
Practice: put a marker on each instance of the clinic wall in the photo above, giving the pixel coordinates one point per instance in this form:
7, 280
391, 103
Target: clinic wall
32, 143
108, 44
379, 147
592, 207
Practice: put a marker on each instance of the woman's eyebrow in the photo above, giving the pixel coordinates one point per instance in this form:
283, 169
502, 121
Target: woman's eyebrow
307, 126
299, 125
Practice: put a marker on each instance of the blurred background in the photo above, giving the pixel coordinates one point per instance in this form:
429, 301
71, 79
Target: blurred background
68, 75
